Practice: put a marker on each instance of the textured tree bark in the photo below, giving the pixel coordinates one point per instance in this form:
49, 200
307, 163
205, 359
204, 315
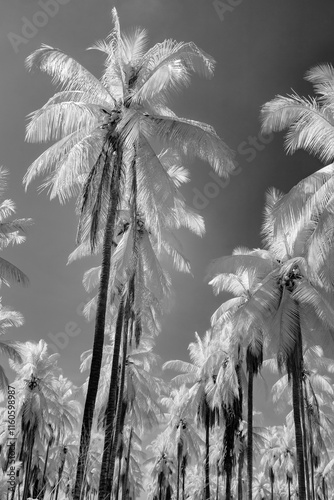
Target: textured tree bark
96, 363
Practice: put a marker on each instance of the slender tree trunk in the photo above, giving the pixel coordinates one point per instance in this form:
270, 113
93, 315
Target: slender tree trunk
217, 487
250, 431
60, 474
240, 472
24, 436
128, 457
298, 434
119, 480
296, 371
183, 482
42, 491
118, 420
31, 438
111, 405
272, 481
302, 413
96, 362
289, 489
178, 477
207, 452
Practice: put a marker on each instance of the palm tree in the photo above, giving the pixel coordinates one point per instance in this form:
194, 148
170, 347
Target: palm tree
241, 282
105, 130
37, 398
197, 373
180, 431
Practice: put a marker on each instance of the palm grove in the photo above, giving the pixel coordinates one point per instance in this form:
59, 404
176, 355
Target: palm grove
119, 150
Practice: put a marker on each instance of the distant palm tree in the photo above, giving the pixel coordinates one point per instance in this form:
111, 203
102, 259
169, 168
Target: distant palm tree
180, 431
198, 374
36, 398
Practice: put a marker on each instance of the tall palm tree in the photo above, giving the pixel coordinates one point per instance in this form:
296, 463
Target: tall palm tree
105, 130
198, 373
180, 431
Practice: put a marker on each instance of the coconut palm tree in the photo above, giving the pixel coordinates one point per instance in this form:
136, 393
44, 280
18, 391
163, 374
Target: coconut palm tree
181, 431
162, 468
241, 282
104, 131
198, 373
36, 398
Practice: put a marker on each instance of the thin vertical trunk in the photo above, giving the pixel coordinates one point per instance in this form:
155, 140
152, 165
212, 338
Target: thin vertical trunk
240, 472
183, 482
96, 362
302, 413
217, 487
250, 431
111, 406
289, 489
128, 457
272, 481
298, 434
118, 479
60, 473
118, 419
30, 439
207, 452
296, 367
178, 477
42, 492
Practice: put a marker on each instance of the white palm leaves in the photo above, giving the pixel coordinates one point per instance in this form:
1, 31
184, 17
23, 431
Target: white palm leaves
86, 110
309, 120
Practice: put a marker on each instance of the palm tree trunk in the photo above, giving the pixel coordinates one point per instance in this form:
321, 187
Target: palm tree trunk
111, 405
240, 472
289, 490
250, 431
43, 482
183, 482
126, 478
207, 452
30, 440
302, 412
295, 366
118, 479
60, 473
217, 487
272, 481
178, 477
96, 362
298, 434
119, 421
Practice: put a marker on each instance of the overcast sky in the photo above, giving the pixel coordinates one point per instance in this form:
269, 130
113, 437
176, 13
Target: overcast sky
262, 48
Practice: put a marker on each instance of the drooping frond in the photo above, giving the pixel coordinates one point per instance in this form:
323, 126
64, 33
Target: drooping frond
12, 274
311, 126
66, 71
167, 66
322, 78
193, 138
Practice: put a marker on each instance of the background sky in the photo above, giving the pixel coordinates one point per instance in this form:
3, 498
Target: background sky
262, 48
